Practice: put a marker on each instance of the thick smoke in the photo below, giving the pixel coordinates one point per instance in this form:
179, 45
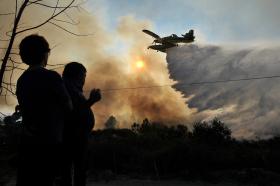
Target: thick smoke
251, 108
119, 71
109, 70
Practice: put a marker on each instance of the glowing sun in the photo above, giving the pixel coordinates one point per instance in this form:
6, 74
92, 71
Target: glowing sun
140, 64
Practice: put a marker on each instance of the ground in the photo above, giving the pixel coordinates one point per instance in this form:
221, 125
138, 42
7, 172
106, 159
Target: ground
135, 182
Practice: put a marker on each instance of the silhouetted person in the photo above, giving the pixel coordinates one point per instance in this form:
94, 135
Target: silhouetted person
44, 102
79, 125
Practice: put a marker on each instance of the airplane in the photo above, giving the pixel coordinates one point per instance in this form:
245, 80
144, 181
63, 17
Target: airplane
162, 47
169, 41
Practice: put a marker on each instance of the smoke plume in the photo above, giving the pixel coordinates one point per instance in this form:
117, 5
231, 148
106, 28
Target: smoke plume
251, 108
107, 72
112, 70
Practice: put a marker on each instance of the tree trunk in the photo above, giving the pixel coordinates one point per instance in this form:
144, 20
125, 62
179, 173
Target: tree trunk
8, 51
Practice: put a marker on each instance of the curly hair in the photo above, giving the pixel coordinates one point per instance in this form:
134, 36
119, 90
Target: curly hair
33, 49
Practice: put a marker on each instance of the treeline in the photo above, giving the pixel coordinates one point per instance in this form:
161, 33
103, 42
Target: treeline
156, 151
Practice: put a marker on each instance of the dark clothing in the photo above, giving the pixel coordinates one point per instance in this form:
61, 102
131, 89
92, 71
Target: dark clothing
79, 125
81, 120
44, 102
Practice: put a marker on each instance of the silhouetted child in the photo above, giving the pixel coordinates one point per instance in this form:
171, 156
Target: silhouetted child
44, 102
79, 125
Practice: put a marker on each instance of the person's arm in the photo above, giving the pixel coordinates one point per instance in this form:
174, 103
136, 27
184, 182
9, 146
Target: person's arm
94, 97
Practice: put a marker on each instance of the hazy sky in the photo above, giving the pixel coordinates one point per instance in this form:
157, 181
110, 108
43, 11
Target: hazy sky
218, 20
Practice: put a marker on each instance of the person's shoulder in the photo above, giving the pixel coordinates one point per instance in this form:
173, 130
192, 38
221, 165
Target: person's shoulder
22, 76
41, 73
53, 73
54, 76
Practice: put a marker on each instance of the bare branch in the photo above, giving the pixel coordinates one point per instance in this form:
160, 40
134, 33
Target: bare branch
69, 17
70, 32
13, 53
81, 8
8, 90
14, 68
8, 51
13, 84
3, 114
55, 46
9, 85
10, 65
56, 68
53, 65
6, 14
68, 22
6, 95
31, 2
56, 7
13, 61
50, 18
18, 68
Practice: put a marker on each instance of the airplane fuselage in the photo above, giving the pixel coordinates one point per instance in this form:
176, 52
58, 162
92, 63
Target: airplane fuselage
174, 40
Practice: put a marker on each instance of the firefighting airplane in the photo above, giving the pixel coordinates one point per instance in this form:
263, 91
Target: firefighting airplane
169, 41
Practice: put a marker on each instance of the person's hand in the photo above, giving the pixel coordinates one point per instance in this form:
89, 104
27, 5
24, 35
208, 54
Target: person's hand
94, 96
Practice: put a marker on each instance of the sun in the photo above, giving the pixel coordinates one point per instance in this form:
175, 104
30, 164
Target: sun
140, 64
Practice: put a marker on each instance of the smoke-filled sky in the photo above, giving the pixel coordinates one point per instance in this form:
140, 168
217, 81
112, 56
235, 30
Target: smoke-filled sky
234, 39
219, 21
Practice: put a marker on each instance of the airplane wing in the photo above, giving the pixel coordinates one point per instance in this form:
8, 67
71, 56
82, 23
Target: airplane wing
151, 33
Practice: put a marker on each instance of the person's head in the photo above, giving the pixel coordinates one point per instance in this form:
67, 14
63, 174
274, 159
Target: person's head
34, 50
75, 71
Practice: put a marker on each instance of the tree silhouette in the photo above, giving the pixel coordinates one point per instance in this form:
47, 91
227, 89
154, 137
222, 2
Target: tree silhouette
111, 123
214, 131
8, 62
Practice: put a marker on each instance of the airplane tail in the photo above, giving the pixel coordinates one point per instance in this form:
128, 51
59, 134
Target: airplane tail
189, 34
